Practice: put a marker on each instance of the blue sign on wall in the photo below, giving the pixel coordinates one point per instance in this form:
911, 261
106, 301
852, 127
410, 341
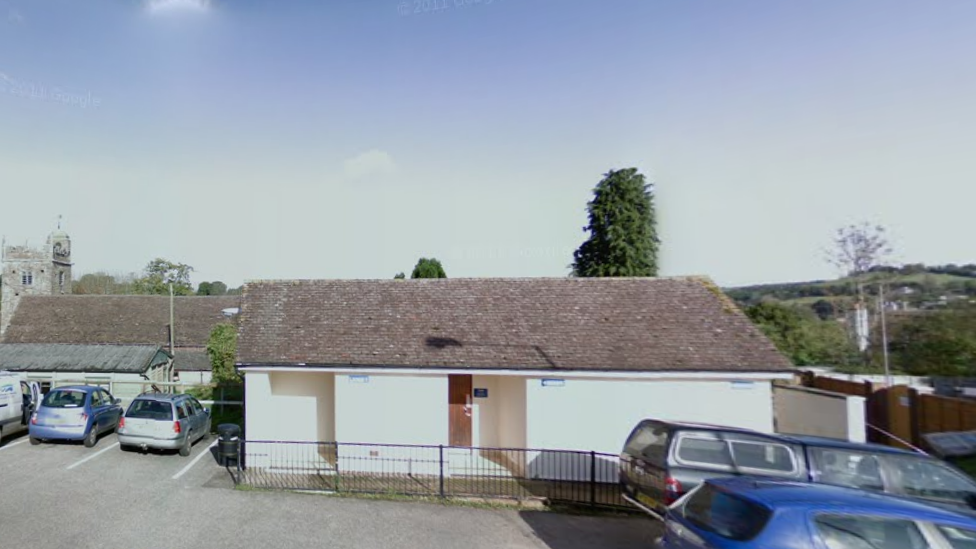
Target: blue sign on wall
481, 393
553, 382
358, 379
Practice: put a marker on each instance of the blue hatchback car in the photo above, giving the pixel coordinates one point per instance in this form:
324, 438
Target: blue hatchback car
751, 512
76, 412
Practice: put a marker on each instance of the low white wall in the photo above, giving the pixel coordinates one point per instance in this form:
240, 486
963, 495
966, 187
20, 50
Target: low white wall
806, 411
586, 414
391, 409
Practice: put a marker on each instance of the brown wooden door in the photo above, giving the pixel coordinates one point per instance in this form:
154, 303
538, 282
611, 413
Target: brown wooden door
460, 409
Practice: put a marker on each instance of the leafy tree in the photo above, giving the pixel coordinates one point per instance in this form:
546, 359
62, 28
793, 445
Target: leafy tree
222, 350
428, 268
805, 339
159, 274
103, 283
939, 342
399, 276
212, 288
623, 233
825, 310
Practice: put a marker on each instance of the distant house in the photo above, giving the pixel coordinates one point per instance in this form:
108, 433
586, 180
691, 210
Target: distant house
127, 320
559, 363
119, 368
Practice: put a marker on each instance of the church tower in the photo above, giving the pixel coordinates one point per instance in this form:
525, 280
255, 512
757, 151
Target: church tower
31, 271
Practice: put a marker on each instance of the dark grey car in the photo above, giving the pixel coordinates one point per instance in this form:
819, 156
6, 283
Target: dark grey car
663, 460
163, 421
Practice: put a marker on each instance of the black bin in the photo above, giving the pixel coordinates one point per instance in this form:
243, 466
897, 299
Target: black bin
228, 444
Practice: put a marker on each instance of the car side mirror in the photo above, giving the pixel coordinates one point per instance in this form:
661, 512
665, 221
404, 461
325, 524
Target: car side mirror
117, 401
206, 411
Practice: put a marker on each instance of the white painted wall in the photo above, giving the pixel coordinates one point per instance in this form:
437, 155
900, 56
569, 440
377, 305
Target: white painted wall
499, 420
290, 406
391, 409
805, 411
598, 415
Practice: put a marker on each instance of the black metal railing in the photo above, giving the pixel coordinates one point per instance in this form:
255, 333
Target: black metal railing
558, 476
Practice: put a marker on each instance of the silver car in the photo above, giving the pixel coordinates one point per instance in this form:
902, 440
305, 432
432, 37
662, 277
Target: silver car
163, 421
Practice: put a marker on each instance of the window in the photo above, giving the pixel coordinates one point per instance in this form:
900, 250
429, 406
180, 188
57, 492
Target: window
64, 398
704, 450
195, 406
649, 442
27, 278
96, 399
150, 409
841, 531
928, 478
959, 538
61, 280
182, 410
725, 514
755, 455
846, 468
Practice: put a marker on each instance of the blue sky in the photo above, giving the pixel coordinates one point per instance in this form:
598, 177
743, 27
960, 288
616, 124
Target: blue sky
344, 139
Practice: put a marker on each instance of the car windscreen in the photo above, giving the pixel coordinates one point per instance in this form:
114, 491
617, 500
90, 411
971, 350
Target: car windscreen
929, 478
150, 409
64, 398
725, 514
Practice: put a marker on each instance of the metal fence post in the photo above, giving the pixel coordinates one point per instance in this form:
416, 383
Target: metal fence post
440, 448
338, 475
592, 477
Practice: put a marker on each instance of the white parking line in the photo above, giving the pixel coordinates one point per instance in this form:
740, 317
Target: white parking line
11, 445
93, 456
194, 462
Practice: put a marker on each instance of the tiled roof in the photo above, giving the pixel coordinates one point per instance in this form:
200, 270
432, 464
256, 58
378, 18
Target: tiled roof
47, 357
116, 319
191, 359
616, 324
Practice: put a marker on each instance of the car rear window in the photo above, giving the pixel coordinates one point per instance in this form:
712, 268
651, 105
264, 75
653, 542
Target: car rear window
762, 456
649, 442
724, 514
150, 409
849, 531
64, 398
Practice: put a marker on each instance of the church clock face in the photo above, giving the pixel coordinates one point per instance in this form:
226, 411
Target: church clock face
61, 250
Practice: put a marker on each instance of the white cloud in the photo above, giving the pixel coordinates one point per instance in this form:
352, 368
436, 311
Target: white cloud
369, 164
175, 5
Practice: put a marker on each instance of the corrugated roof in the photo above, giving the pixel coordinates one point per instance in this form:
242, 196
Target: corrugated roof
616, 324
49, 357
116, 319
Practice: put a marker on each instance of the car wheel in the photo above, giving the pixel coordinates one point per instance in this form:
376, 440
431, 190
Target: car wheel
185, 449
34, 441
92, 437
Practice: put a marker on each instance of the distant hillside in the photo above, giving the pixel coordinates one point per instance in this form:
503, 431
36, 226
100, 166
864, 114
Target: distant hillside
909, 287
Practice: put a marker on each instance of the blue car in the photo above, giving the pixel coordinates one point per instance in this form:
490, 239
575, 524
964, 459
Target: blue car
76, 412
752, 512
